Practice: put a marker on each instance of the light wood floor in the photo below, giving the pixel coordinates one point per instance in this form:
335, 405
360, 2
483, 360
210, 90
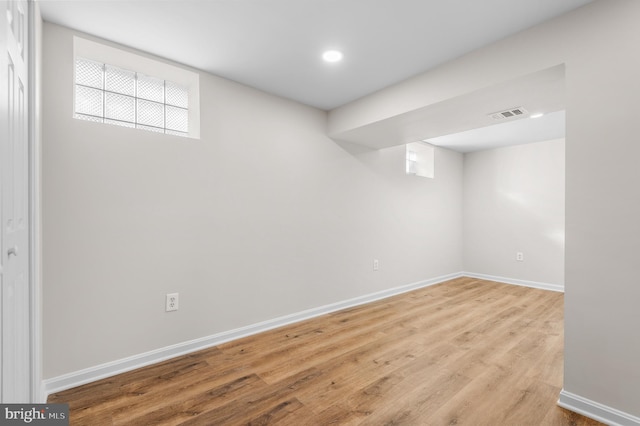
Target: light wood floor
464, 352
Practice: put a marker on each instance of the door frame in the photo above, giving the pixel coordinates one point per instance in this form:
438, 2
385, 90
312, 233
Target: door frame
34, 23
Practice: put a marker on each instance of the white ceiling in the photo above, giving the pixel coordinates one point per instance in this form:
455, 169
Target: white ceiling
517, 132
276, 46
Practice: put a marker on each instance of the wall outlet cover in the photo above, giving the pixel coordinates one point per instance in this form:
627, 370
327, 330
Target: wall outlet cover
171, 302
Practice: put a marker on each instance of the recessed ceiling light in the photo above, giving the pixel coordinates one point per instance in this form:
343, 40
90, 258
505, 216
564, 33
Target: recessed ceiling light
538, 115
332, 56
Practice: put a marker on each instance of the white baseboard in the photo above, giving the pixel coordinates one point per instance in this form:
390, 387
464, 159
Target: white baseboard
596, 411
532, 284
77, 378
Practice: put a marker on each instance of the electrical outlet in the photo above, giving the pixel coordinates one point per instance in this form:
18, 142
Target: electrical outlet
171, 302
520, 256
376, 264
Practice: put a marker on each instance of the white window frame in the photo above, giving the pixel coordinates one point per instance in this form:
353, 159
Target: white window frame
127, 60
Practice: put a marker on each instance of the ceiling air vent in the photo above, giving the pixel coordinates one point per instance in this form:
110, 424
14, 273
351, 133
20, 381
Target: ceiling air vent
509, 113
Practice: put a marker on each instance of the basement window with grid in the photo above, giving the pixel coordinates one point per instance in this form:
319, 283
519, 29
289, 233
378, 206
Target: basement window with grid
119, 87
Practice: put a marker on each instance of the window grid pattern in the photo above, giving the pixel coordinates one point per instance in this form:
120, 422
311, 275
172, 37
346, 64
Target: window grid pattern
112, 95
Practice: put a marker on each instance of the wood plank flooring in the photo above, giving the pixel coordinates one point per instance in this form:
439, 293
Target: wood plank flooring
464, 352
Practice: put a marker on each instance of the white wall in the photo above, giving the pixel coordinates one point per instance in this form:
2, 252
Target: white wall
598, 45
263, 216
602, 343
514, 202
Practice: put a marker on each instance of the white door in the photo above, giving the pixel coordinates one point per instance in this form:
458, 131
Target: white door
15, 353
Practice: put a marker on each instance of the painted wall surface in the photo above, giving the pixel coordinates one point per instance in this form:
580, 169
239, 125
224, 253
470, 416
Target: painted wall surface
598, 45
514, 202
262, 217
602, 343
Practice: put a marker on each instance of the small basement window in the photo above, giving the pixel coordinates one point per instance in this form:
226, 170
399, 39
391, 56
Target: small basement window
420, 160
134, 91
